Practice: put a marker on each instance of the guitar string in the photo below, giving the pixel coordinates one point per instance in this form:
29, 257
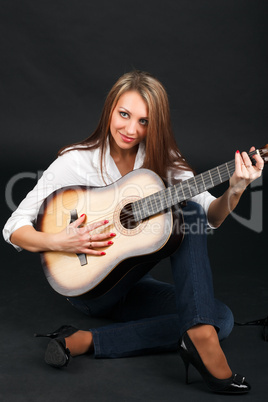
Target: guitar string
189, 186
196, 180
213, 173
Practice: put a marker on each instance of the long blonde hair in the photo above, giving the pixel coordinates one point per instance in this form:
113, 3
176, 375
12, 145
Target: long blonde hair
162, 152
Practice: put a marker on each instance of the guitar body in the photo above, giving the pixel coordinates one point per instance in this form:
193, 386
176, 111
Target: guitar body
146, 231
135, 250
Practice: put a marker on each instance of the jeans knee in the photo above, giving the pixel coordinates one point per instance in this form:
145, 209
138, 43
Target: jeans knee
226, 324
193, 210
194, 219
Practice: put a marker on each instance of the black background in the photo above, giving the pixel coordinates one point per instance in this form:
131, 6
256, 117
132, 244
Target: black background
60, 58
58, 61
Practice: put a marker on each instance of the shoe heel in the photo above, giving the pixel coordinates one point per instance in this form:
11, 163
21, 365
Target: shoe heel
63, 332
186, 365
43, 335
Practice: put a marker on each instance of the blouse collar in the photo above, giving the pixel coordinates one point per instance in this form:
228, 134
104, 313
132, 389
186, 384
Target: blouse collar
109, 165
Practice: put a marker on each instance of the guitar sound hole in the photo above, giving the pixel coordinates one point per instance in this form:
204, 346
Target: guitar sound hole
127, 218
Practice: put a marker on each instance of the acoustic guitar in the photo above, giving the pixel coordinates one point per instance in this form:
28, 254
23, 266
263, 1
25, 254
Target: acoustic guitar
141, 211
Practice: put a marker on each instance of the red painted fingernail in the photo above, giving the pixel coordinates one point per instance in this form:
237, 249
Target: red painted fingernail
112, 234
103, 253
110, 242
106, 221
237, 152
82, 215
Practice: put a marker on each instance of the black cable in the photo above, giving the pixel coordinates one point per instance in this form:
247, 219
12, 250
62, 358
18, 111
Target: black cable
261, 321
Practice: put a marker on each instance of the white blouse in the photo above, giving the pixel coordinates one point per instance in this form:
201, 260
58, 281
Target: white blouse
78, 167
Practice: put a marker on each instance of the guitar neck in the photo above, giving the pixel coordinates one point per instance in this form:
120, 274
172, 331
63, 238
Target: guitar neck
167, 198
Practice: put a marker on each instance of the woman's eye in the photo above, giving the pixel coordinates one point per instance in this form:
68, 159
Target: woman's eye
124, 114
144, 122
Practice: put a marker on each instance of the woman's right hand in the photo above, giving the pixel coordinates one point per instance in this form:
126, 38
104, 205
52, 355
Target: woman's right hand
76, 239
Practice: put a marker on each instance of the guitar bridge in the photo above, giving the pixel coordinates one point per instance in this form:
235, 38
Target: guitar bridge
82, 257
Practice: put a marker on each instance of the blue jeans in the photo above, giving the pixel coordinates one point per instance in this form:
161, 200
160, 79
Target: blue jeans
150, 316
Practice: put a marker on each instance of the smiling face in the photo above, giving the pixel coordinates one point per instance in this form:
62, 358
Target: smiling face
129, 121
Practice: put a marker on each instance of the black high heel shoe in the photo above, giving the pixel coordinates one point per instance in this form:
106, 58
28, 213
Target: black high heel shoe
235, 384
57, 355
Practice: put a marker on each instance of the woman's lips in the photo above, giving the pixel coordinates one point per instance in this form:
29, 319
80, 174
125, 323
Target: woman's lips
125, 138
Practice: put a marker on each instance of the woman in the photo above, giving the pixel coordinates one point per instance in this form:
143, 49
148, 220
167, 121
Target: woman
150, 316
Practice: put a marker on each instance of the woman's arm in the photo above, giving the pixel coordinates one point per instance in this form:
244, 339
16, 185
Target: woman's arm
19, 229
244, 174
73, 239
30, 239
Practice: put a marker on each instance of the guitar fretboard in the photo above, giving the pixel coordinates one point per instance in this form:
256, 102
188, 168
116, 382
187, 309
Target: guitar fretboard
164, 199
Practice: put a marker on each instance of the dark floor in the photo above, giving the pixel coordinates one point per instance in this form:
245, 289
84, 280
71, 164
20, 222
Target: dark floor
28, 305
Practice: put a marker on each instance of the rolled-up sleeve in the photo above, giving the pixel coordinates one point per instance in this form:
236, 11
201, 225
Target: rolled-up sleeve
59, 174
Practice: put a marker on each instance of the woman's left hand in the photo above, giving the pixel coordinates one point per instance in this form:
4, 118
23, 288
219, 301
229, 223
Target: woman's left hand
245, 172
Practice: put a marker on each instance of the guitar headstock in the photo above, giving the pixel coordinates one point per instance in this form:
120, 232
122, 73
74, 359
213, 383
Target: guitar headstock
264, 153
